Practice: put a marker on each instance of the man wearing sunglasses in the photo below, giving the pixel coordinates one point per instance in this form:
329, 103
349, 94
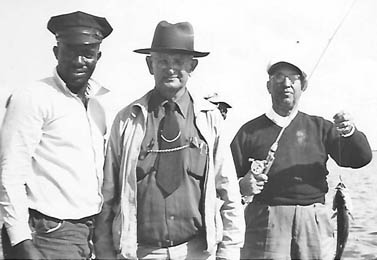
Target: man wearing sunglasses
280, 158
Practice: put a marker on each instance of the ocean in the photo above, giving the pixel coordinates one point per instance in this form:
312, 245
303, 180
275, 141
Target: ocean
362, 183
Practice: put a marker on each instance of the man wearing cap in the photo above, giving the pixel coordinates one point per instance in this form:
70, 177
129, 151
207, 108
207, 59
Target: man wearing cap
221, 104
280, 159
169, 193
52, 143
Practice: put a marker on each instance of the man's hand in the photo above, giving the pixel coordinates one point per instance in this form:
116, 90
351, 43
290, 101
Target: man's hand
27, 250
252, 184
344, 124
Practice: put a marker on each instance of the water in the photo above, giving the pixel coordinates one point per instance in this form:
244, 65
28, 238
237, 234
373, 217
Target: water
362, 183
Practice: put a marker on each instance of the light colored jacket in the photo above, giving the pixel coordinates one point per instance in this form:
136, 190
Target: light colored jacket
116, 226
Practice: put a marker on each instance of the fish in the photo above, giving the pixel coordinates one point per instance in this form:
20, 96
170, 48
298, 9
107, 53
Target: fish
342, 206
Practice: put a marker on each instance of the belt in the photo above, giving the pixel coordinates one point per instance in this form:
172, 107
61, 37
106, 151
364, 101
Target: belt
36, 214
167, 243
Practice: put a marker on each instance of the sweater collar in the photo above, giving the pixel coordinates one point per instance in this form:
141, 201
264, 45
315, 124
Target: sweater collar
282, 121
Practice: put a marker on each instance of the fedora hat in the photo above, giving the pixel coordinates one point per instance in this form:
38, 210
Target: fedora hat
173, 38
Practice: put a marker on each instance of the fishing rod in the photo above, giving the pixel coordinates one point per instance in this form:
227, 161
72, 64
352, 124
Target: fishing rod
267, 163
341, 202
331, 39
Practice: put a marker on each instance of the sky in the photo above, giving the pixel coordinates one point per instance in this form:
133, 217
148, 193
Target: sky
241, 36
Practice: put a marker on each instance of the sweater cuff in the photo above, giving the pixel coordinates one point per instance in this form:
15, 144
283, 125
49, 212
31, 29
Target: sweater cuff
351, 132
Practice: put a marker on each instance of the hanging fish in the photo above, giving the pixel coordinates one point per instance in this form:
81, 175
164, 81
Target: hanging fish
342, 206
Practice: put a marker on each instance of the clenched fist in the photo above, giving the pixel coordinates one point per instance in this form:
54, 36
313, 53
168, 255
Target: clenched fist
252, 184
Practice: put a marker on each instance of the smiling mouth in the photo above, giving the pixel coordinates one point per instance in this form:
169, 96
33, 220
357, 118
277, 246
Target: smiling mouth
287, 92
171, 78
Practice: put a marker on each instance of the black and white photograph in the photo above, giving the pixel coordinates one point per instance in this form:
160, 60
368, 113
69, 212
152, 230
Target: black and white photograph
188, 129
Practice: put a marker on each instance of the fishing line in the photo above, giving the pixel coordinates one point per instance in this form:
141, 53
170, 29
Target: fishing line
331, 38
323, 54
340, 158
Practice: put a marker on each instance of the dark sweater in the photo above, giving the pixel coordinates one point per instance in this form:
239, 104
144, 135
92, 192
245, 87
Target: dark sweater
298, 174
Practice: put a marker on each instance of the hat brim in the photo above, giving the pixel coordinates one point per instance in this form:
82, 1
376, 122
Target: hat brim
196, 54
79, 39
276, 65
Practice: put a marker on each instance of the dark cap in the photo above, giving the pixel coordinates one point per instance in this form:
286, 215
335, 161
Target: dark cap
79, 28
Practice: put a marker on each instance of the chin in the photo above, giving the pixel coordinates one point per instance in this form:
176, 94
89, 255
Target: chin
76, 85
172, 86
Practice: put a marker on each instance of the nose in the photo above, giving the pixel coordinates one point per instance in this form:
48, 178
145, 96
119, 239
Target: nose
79, 60
287, 82
171, 69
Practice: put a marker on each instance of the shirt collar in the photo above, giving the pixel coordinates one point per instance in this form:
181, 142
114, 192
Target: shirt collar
156, 102
282, 121
93, 88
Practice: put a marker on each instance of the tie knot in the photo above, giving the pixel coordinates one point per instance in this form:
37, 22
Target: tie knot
170, 106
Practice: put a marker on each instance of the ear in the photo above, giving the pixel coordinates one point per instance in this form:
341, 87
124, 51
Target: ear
148, 59
99, 55
194, 63
268, 84
55, 50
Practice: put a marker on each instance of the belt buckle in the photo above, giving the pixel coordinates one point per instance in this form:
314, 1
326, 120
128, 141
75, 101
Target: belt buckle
167, 243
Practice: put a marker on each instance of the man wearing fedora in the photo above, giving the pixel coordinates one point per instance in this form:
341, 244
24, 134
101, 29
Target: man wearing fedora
280, 159
169, 191
52, 143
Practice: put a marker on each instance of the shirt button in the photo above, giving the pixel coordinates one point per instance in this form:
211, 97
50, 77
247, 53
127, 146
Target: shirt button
297, 179
172, 217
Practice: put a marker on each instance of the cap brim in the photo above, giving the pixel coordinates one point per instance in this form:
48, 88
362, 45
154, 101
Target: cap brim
274, 66
196, 54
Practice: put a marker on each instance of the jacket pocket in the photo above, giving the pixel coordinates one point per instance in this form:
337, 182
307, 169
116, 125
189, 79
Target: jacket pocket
197, 155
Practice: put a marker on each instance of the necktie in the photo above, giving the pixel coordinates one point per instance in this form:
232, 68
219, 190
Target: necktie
170, 161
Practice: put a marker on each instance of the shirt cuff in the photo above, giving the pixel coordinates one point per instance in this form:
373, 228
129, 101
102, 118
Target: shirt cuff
228, 253
19, 233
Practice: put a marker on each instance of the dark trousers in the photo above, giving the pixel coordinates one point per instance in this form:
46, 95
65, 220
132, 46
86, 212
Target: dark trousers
8, 251
55, 238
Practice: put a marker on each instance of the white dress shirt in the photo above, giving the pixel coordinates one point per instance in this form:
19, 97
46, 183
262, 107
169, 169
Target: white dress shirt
51, 154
